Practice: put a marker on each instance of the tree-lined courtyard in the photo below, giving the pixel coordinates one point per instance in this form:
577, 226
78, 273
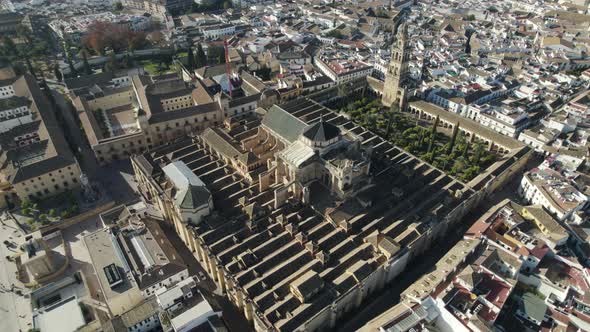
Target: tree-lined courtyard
451, 152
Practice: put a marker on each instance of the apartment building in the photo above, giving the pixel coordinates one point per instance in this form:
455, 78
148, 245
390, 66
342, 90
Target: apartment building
36, 159
143, 112
551, 190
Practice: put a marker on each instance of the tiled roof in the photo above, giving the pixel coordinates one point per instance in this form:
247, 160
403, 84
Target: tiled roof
283, 124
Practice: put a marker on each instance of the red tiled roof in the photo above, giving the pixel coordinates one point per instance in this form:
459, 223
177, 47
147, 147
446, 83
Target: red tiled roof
540, 251
498, 291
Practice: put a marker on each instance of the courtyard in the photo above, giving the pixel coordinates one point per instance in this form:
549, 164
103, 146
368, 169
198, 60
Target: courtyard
447, 150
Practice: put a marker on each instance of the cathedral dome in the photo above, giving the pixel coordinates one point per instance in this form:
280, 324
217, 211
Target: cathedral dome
321, 131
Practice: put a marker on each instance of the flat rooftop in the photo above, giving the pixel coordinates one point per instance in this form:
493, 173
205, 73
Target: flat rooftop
64, 316
104, 252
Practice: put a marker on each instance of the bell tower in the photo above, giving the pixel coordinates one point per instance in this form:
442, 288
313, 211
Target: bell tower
397, 72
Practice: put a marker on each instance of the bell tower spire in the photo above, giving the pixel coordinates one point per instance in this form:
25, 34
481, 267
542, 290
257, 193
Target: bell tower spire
397, 71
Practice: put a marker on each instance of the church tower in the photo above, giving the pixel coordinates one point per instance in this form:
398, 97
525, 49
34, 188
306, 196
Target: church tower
397, 73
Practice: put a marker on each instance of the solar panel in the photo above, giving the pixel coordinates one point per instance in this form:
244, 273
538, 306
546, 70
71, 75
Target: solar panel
113, 276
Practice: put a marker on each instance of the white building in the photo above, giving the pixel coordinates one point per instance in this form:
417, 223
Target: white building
411, 316
186, 307
14, 111
6, 91
506, 121
193, 199
218, 30
552, 191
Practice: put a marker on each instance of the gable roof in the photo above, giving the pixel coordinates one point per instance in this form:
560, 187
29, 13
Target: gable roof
283, 124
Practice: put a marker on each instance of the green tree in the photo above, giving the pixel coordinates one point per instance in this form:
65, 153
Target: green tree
215, 54
43, 219
433, 135
478, 151
58, 75
118, 6
25, 204
53, 213
112, 63
200, 57
26, 211
458, 166
453, 138
492, 9
393, 110
9, 47
466, 150
191, 59
30, 66
421, 140
227, 4
87, 69
73, 71
446, 161
470, 173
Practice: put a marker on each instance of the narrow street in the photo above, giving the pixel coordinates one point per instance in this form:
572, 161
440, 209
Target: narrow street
84, 153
